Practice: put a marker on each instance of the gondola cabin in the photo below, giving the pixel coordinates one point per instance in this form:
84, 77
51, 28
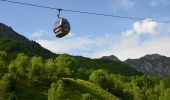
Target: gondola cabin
61, 27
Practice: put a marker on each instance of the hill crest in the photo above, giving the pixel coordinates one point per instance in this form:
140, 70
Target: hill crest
14, 43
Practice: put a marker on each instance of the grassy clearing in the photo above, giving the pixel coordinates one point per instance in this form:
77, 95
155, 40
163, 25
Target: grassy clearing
77, 87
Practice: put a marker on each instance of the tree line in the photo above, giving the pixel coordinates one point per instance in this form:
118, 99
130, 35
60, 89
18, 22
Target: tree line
25, 72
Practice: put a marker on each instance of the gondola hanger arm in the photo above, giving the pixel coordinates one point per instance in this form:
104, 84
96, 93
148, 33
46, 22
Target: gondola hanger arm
59, 10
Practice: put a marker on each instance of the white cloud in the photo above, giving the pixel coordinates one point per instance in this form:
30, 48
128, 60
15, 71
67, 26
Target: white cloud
126, 47
143, 27
155, 3
129, 46
168, 29
127, 3
37, 34
128, 33
65, 45
134, 49
118, 5
84, 45
70, 34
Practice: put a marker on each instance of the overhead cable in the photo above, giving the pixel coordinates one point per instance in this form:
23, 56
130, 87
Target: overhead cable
84, 12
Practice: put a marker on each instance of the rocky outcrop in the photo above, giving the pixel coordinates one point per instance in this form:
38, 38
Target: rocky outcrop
111, 58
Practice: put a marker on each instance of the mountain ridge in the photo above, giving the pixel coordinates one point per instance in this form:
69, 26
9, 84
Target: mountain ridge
14, 43
150, 64
111, 58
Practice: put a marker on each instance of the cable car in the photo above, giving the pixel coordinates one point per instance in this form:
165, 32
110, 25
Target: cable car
61, 27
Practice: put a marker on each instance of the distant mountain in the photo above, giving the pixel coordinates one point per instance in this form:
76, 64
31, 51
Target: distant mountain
154, 64
111, 66
111, 58
14, 43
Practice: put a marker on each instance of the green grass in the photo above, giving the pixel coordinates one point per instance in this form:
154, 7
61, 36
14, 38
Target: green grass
77, 87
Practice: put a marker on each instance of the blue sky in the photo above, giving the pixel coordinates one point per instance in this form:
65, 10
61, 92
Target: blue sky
95, 36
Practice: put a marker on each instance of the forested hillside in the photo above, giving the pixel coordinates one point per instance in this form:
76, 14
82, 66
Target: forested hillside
61, 78
14, 43
30, 72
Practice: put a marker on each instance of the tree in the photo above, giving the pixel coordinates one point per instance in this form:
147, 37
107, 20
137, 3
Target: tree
50, 68
3, 56
2, 68
151, 94
20, 66
36, 72
138, 95
82, 73
99, 78
3, 63
56, 92
64, 64
5, 88
50, 72
166, 95
87, 96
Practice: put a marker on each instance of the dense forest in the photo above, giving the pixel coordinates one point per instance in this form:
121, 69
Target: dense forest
66, 77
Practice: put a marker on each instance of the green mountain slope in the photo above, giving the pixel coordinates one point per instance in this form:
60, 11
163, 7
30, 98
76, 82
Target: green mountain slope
14, 43
108, 65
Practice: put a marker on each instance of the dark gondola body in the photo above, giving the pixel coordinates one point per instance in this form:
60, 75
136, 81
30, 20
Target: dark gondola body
61, 27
